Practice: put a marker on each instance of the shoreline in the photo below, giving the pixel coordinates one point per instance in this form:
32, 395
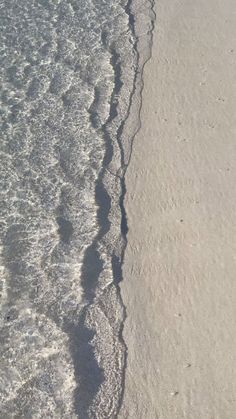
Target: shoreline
178, 274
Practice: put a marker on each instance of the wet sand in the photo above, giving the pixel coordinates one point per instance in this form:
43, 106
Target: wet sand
179, 284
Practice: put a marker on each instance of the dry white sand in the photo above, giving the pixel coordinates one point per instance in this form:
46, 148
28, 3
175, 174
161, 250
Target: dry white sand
180, 266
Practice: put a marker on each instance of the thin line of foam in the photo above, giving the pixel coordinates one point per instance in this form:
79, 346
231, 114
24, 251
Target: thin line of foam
136, 95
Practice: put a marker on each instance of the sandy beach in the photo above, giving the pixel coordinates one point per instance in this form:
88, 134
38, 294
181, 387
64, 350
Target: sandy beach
118, 221
179, 286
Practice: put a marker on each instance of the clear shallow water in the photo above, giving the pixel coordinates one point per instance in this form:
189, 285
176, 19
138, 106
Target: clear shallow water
67, 77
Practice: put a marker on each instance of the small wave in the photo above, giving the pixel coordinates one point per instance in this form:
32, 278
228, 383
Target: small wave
71, 80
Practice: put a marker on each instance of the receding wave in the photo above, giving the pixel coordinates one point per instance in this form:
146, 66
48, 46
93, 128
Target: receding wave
71, 76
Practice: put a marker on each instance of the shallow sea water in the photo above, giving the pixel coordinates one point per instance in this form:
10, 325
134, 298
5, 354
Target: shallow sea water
67, 77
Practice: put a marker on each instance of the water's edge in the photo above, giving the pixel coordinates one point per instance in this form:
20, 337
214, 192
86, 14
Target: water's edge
101, 384
141, 45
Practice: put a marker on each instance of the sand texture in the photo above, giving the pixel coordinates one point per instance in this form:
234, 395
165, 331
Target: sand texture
179, 284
